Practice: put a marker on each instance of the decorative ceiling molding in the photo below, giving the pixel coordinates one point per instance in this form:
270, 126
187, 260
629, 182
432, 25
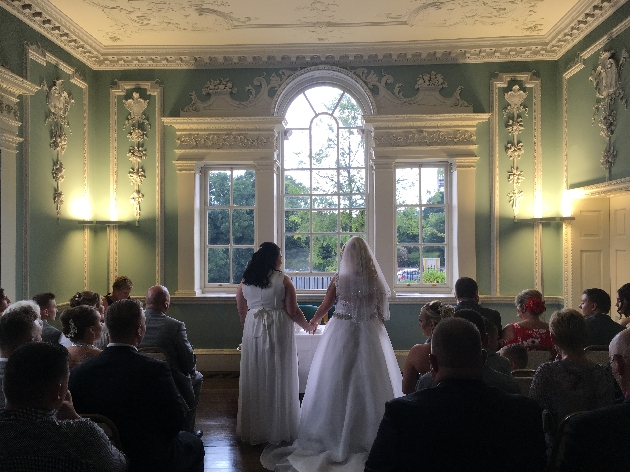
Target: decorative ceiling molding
51, 22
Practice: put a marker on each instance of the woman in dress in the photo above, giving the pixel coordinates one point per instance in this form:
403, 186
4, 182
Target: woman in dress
94, 300
268, 400
531, 330
83, 326
623, 304
572, 383
353, 374
417, 362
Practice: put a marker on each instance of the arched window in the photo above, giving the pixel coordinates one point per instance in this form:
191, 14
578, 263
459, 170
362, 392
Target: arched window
325, 183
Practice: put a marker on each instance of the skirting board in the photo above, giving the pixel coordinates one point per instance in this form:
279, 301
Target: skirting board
228, 360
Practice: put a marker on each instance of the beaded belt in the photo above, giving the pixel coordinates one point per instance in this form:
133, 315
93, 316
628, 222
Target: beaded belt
344, 316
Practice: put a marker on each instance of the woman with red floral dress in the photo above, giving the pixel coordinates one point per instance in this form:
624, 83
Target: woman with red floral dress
531, 330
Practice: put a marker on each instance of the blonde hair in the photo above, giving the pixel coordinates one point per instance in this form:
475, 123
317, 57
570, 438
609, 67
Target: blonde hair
569, 329
435, 311
525, 296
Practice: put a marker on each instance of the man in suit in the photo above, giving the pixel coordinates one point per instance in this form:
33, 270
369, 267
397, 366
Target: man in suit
595, 307
467, 296
461, 424
598, 439
170, 334
48, 311
139, 395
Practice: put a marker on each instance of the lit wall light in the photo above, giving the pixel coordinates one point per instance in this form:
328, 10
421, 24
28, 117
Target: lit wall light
80, 208
568, 196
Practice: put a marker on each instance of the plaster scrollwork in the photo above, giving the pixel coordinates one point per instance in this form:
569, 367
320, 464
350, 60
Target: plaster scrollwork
424, 138
220, 100
515, 149
59, 103
607, 81
9, 109
224, 141
137, 123
427, 99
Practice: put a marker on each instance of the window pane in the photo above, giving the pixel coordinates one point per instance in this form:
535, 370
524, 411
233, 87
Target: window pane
348, 112
433, 265
407, 186
408, 257
408, 225
324, 142
351, 151
296, 202
296, 150
244, 187
219, 188
297, 182
299, 113
325, 181
323, 98
218, 265
433, 225
240, 258
325, 253
243, 227
297, 251
432, 185
353, 201
325, 221
353, 221
352, 180
219, 227
297, 221
325, 202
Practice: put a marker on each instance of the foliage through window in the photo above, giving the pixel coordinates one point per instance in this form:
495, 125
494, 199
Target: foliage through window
230, 202
325, 183
421, 229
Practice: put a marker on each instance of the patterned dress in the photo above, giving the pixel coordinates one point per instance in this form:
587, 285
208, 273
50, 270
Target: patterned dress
529, 336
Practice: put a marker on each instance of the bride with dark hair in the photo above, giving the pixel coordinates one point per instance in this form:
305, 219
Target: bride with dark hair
268, 400
353, 374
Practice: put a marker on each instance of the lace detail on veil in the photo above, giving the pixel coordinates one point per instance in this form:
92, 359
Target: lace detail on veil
362, 292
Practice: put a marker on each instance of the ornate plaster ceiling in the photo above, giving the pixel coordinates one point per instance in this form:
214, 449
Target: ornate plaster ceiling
207, 33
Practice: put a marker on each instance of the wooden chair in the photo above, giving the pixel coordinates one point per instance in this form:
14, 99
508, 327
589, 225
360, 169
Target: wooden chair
523, 372
558, 446
154, 352
537, 355
597, 353
524, 383
108, 427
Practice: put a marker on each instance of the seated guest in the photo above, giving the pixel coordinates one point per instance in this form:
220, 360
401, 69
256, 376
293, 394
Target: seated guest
531, 330
467, 296
516, 354
572, 383
48, 311
493, 334
597, 440
94, 300
18, 326
121, 290
39, 429
623, 304
139, 395
417, 362
4, 301
495, 371
595, 307
170, 334
83, 326
461, 424
494, 360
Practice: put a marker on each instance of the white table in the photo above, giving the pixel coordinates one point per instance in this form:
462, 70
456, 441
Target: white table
306, 347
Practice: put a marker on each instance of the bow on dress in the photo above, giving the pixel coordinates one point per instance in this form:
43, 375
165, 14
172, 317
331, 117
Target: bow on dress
262, 325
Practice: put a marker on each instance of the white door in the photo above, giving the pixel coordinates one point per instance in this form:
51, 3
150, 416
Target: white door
619, 246
591, 243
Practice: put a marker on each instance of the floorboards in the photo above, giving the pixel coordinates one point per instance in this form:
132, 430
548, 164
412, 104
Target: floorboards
216, 415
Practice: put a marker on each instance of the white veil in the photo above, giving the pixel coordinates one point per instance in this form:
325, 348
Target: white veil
361, 287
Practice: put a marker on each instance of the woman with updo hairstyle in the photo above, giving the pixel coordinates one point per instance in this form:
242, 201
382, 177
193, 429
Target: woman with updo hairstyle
531, 330
94, 300
83, 326
417, 362
572, 383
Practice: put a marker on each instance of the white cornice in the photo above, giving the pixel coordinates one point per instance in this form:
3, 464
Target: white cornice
48, 20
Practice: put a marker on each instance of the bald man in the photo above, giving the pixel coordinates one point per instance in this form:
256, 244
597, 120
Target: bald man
461, 424
170, 334
598, 440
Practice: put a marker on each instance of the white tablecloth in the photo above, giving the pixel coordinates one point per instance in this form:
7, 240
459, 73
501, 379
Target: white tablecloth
306, 347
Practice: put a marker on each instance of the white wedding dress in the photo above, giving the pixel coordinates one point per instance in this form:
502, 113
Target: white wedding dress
353, 374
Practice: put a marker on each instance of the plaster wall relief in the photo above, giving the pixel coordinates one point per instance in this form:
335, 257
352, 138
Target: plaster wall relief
511, 88
607, 80
127, 92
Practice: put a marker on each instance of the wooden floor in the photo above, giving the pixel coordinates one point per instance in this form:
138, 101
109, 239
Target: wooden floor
216, 415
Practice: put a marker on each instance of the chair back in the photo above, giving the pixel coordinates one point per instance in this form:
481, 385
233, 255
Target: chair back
108, 427
537, 356
154, 352
597, 353
524, 383
523, 372
558, 446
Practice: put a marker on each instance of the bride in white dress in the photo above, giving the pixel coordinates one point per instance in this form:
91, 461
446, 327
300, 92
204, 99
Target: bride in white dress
353, 374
